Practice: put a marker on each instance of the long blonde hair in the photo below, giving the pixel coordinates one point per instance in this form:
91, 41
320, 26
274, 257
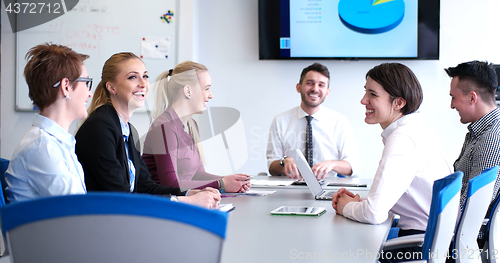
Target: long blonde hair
167, 91
110, 70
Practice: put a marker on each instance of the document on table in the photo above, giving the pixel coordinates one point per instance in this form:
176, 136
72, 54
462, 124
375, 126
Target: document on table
224, 207
347, 185
271, 182
257, 192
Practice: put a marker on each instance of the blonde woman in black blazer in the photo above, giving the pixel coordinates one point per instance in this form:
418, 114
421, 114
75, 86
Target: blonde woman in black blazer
108, 159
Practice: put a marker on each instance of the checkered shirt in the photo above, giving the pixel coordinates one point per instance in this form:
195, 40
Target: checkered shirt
481, 150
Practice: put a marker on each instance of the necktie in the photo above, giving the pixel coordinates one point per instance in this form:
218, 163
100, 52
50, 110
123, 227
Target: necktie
309, 141
131, 167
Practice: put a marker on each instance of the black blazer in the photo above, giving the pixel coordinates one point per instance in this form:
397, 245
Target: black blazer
101, 151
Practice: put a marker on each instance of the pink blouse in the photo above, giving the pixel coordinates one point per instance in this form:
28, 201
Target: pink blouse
171, 156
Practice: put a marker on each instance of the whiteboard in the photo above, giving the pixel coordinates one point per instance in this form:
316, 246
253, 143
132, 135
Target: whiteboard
101, 28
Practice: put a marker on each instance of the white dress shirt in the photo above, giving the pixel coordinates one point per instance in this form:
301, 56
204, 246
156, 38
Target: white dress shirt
333, 137
411, 161
44, 163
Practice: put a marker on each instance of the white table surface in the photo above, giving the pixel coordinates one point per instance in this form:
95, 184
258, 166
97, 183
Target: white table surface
254, 235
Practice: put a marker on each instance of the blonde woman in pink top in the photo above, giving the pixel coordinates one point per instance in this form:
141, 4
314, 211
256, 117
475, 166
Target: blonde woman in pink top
172, 149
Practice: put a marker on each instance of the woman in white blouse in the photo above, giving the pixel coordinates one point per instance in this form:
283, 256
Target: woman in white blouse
44, 163
412, 158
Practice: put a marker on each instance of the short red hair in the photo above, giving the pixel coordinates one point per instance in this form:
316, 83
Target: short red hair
48, 64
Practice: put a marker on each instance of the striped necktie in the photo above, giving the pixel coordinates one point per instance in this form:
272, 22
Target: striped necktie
309, 141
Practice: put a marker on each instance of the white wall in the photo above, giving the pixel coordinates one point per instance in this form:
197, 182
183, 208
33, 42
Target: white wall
14, 124
224, 37
228, 45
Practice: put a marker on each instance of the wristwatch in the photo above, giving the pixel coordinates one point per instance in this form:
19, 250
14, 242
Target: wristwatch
221, 184
174, 198
282, 159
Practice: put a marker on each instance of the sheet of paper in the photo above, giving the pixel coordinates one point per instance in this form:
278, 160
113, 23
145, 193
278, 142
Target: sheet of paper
257, 192
225, 207
155, 47
271, 182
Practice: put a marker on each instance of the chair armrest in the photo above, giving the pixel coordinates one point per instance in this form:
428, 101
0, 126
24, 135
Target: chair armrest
406, 241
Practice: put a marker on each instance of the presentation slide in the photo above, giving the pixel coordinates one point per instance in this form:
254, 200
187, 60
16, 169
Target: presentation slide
353, 28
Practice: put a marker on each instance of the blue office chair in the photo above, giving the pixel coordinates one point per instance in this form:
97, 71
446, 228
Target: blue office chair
442, 217
491, 249
4, 164
112, 227
394, 231
476, 204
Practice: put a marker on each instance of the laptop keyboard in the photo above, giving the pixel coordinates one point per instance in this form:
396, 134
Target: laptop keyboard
329, 194
326, 195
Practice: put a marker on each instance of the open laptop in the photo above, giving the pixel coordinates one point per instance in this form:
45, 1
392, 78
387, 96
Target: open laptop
308, 175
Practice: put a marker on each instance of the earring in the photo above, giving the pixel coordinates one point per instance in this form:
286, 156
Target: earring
189, 96
67, 97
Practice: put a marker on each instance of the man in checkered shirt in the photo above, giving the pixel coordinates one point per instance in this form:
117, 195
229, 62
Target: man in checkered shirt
472, 90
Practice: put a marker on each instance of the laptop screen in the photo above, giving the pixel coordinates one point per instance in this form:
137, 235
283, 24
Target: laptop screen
306, 172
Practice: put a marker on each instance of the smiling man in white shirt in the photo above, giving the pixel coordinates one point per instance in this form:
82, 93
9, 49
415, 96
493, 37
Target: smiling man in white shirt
331, 146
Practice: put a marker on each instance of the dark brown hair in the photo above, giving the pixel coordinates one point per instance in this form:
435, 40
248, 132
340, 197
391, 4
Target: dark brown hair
480, 74
47, 65
400, 82
323, 70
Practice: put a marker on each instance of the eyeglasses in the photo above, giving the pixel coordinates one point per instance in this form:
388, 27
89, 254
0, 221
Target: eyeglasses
88, 82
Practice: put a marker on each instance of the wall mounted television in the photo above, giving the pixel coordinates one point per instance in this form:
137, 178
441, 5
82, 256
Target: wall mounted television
349, 29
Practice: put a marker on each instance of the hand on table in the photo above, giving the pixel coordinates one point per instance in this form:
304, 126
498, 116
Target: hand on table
246, 186
236, 183
195, 191
208, 197
341, 198
321, 169
290, 168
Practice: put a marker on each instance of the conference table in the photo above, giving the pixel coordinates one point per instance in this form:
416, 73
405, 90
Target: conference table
254, 235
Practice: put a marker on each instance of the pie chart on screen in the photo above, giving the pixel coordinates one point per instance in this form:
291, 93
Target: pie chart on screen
371, 16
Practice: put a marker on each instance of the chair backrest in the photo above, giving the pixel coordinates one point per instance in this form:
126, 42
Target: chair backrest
4, 164
493, 233
112, 227
476, 204
442, 217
